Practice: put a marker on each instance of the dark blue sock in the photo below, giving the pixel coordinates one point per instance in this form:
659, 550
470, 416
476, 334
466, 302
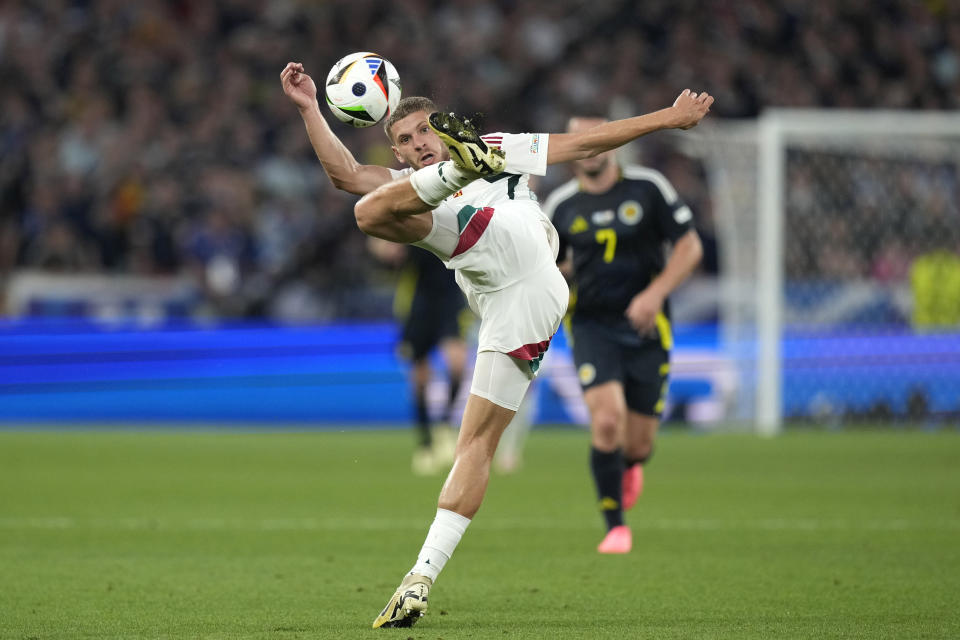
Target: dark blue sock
607, 469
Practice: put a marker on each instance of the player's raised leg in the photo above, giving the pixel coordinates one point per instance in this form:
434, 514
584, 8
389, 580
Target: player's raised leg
395, 211
467, 148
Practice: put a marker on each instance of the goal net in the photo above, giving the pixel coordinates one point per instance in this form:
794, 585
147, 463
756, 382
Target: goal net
839, 243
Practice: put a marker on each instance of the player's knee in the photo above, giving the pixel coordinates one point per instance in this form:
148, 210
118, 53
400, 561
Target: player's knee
606, 425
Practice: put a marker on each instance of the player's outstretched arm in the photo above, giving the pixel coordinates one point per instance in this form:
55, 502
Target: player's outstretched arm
342, 168
688, 110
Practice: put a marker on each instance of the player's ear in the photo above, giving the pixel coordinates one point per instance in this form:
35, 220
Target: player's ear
396, 154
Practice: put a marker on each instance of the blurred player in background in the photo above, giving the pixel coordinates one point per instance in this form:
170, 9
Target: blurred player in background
616, 221
466, 199
433, 314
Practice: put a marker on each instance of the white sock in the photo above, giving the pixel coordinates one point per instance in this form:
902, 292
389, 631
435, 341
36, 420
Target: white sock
442, 539
436, 182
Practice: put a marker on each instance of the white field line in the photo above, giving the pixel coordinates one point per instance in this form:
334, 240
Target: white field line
68, 523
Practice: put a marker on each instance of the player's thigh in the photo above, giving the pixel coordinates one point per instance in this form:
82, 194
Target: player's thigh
501, 379
606, 398
599, 360
646, 379
600, 368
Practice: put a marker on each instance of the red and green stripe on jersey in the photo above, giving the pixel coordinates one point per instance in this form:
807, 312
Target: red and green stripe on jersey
472, 222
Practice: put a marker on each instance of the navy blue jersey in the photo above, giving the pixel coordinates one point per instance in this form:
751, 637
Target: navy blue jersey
618, 240
425, 283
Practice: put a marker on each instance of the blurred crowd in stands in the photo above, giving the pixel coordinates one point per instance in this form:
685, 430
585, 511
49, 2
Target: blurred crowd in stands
152, 137
867, 214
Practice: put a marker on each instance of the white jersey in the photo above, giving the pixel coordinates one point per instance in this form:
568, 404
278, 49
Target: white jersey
493, 232
504, 249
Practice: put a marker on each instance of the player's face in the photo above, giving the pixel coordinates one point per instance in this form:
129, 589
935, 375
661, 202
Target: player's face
596, 165
415, 143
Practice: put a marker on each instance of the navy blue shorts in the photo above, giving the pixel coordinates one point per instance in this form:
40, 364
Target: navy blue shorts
642, 368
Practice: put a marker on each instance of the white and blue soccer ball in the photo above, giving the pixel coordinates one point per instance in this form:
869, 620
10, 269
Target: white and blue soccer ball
362, 89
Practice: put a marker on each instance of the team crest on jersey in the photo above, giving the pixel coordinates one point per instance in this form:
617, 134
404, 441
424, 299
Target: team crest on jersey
457, 194
579, 225
602, 218
587, 373
630, 212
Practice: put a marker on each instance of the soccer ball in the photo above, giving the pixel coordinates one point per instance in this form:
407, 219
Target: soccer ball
362, 89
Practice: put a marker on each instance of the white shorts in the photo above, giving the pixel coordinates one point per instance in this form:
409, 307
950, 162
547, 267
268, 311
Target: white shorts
519, 320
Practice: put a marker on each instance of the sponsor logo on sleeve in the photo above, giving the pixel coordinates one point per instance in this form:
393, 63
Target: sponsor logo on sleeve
535, 144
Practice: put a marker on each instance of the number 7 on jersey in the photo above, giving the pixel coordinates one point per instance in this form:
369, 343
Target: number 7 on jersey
608, 238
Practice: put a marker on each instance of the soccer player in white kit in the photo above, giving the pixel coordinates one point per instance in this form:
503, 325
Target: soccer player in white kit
465, 198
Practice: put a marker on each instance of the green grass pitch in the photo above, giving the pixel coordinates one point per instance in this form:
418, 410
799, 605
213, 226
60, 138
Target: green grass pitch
216, 534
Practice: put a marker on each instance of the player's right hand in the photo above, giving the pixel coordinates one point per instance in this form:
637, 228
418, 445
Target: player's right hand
690, 108
298, 86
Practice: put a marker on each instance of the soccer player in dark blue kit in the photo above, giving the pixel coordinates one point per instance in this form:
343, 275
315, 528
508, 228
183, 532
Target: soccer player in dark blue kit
616, 220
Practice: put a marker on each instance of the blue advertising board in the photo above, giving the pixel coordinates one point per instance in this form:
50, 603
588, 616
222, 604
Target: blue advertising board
58, 372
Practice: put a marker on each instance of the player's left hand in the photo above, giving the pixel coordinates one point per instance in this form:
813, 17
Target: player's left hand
690, 107
643, 309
